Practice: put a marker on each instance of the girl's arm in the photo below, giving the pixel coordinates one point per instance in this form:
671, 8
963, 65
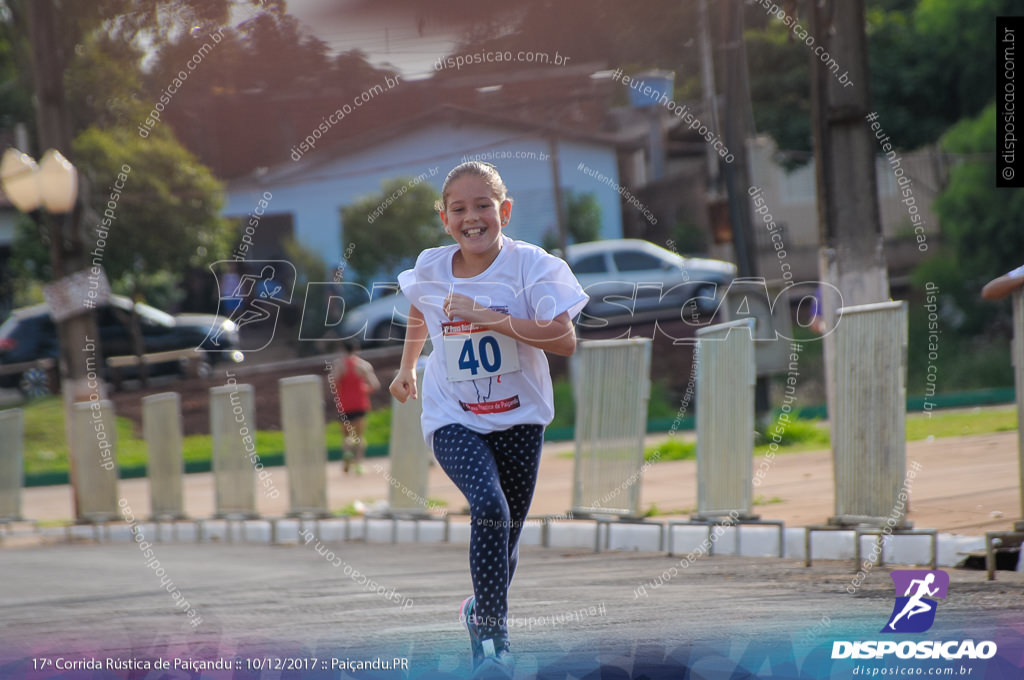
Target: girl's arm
557, 336
404, 384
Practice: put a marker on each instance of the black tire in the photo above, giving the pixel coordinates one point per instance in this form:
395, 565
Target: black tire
35, 383
703, 293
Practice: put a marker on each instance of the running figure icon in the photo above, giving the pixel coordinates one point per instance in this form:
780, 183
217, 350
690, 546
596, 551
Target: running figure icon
917, 595
251, 299
914, 604
253, 308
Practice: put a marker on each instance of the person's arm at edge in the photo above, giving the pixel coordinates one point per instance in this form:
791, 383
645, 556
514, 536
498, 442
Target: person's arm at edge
365, 369
404, 384
998, 288
339, 369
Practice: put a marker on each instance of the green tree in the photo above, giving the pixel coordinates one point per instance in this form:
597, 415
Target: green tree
780, 90
388, 229
980, 225
167, 215
931, 64
582, 219
166, 218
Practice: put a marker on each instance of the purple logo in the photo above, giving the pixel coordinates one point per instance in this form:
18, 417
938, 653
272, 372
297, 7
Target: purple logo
916, 591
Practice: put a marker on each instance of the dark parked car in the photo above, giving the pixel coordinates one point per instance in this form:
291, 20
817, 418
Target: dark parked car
29, 334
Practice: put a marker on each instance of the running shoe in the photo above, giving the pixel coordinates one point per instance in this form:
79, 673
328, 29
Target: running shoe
466, 615
497, 663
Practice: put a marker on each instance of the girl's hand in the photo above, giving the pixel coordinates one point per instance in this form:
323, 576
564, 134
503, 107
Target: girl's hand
465, 307
404, 385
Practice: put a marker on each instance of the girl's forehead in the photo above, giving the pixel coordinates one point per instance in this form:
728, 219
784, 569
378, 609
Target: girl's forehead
469, 187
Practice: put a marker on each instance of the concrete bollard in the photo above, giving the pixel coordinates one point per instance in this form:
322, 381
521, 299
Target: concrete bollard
12, 463
95, 470
305, 443
233, 430
162, 430
726, 376
869, 424
410, 458
612, 385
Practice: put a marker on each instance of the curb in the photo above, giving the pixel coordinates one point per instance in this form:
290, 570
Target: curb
690, 542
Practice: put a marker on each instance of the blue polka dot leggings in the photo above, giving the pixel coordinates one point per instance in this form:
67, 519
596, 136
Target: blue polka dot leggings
497, 473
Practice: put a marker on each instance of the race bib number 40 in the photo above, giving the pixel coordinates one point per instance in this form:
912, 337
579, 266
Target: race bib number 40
471, 352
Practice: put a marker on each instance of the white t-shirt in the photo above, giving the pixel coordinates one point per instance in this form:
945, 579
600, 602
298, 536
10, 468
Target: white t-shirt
1017, 273
478, 378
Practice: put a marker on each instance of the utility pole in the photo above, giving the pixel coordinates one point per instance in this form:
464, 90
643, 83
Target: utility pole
556, 187
735, 132
67, 250
710, 94
851, 253
736, 175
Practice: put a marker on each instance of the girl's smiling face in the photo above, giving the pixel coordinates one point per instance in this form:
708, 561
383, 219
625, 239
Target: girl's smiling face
474, 217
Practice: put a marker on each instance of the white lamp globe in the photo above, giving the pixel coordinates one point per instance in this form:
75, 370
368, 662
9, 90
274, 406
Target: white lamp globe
58, 182
18, 176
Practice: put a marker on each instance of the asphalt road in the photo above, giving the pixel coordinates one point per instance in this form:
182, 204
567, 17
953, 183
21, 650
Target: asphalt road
81, 601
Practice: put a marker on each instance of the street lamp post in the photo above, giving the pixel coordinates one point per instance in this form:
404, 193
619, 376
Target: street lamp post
49, 192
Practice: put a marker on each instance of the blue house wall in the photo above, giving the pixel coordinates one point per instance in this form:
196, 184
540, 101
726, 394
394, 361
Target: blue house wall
315, 189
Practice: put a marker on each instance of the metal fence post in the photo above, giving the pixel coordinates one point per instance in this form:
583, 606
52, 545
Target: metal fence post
1018, 381
93, 427
612, 386
305, 443
12, 463
726, 376
162, 430
868, 426
409, 456
233, 430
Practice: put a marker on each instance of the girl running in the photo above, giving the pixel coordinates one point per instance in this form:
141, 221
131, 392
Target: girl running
492, 306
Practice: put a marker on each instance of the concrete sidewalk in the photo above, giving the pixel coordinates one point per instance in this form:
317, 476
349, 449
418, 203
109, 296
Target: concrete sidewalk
965, 485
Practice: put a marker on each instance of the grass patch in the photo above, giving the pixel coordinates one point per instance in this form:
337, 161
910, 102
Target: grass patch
655, 511
349, 510
673, 449
959, 423
793, 432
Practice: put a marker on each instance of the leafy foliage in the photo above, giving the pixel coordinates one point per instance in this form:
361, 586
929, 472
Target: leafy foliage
582, 219
388, 229
168, 214
931, 63
980, 226
780, 88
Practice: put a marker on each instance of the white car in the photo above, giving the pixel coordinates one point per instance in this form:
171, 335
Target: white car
627, 280
634, 280
381, 320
